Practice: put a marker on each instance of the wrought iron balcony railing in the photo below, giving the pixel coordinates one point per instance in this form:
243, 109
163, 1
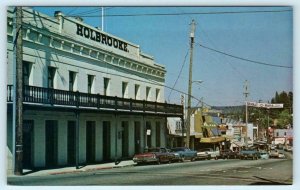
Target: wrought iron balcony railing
49, 96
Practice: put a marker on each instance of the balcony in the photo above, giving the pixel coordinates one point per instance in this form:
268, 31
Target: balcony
45, 97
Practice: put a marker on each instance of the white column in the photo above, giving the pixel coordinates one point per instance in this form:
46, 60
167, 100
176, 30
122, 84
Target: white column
82, 140
162, 124
62, 142
39, 144
99, 140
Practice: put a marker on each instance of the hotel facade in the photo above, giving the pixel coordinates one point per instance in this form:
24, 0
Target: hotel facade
89, 96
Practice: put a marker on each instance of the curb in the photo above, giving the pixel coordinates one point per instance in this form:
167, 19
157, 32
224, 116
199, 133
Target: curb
88, 170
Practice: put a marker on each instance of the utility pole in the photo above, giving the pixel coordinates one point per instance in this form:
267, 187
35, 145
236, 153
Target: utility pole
246, 93
18, 98
188, 122
102, 18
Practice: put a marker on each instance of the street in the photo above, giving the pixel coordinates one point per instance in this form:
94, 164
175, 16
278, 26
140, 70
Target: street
206, 172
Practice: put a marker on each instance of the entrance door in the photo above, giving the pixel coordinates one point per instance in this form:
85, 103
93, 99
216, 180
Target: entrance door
137, 137
90, 141
51, 143
71, 142
125, 145
106, 140
27, 143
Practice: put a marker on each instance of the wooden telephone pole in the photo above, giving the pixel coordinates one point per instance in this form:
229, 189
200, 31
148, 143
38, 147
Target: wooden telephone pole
188, 122
18, 98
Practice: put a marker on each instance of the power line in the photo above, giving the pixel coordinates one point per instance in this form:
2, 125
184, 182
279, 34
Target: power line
192, 13
179, 14
178, 74
244, 59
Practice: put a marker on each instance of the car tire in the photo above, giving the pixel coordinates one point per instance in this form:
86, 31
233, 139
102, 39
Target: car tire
182, 159
158, 161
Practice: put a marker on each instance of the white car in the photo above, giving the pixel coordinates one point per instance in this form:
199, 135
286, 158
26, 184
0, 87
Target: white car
208, 153
281, 155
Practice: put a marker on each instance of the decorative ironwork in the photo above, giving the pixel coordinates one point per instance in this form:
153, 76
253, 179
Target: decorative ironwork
50, 96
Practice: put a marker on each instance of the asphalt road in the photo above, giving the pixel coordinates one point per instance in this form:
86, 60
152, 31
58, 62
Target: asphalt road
208, 172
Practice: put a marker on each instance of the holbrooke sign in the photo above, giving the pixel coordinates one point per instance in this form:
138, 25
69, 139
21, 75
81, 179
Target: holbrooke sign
264, 105
100, 37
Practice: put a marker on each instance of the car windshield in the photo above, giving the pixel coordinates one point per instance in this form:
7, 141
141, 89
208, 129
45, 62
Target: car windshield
153, 150
177, 149
204, 150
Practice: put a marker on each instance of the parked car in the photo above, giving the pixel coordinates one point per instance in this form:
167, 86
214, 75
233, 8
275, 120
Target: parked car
184, 153
177, 156
203, 155
281, 155
226, 154
249, 153
154, 155
264, 155
274, 154
208, 153
288, 148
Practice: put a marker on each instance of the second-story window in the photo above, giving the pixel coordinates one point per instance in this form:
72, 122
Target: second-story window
124, 90
72, 77
51, 76
26, 72
106, 86
148, 93
136, 91
178, 125
90, 83
157, 93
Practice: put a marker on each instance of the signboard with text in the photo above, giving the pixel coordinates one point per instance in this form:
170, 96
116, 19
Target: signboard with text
264, 105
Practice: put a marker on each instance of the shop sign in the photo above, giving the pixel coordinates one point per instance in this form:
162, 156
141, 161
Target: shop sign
100, 37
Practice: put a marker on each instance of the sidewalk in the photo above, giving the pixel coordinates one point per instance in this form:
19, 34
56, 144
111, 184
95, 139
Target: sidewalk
66, 170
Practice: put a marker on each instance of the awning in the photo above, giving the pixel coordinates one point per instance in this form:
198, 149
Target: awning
212, 140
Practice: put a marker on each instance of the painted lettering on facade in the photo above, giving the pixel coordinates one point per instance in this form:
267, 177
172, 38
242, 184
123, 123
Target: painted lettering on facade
100, 37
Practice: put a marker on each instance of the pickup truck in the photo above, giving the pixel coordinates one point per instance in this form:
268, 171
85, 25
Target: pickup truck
249, 153
208, 153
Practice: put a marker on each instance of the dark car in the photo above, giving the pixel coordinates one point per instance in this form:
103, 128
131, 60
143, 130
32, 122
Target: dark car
184, 153
249, 153
227, 154
154, 155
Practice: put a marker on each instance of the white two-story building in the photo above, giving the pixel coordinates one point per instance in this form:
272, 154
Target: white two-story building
89, 96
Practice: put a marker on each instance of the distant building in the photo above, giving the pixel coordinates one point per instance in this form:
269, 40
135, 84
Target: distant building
283, 136
87, 87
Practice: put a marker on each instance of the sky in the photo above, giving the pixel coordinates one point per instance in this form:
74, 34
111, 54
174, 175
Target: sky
265, 37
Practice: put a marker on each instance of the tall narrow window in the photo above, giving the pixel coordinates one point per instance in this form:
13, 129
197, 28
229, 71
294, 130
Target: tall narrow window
72, 76
124, 90
147, 93
157, 94
51, 76
90, 83
26, 72
106, 86
136, 91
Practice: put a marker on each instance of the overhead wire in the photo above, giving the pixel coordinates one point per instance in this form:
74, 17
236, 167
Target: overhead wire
179, 74
83, 14
244, 59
